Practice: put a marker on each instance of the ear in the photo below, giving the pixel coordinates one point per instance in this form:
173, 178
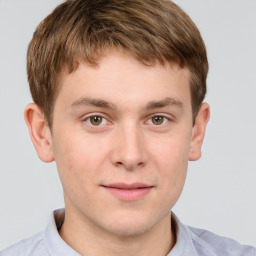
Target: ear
39, 131
199, 132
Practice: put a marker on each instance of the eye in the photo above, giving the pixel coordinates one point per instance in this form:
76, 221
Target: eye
158, 120
96, 120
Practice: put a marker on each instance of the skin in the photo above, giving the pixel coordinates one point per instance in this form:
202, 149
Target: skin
143, 133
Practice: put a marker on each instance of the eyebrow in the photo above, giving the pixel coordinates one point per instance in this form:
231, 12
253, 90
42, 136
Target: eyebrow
93, 102
164, 103
100, 103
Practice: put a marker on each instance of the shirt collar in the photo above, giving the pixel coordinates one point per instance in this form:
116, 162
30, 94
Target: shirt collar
184, 240
56, 246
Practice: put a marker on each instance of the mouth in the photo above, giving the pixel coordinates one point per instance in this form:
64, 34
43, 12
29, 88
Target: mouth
128, 192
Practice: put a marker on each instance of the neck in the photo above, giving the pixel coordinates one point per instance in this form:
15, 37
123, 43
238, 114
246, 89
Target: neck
87, 239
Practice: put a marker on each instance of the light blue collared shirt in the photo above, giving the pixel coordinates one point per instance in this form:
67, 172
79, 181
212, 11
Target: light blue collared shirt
190, 242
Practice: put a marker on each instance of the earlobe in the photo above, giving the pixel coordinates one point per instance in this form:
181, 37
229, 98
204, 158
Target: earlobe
39, 131
199, 132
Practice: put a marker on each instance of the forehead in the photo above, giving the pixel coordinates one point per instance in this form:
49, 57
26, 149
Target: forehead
119, 76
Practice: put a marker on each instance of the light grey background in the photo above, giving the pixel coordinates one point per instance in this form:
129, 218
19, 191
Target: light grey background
220, 191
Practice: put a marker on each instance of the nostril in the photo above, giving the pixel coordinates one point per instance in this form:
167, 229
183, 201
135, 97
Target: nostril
129, 166
119, 163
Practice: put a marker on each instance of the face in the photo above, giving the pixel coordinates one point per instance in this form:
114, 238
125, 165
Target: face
121, 139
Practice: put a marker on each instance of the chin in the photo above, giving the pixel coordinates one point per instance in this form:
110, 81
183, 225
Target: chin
131, 225
131, 229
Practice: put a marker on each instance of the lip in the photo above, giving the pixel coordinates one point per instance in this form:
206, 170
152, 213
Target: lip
128, 192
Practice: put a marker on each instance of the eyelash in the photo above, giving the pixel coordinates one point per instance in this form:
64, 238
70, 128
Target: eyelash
88, 120
150, 120
165, 120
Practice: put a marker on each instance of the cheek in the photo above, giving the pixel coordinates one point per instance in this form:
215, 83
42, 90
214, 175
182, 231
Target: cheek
173, 151
69, 157
173, 174
78, 158
172, 162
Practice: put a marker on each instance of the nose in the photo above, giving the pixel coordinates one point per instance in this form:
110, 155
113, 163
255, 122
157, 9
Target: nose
129, 151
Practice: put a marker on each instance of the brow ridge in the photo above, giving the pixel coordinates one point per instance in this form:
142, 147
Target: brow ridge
163, 103
100, 103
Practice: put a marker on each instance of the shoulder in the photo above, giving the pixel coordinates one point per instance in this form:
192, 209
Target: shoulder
218, 245
198, 242
27, 247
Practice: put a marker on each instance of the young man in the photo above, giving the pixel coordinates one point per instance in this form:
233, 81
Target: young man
118, 88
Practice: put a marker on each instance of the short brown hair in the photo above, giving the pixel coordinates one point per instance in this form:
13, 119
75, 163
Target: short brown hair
81, 30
